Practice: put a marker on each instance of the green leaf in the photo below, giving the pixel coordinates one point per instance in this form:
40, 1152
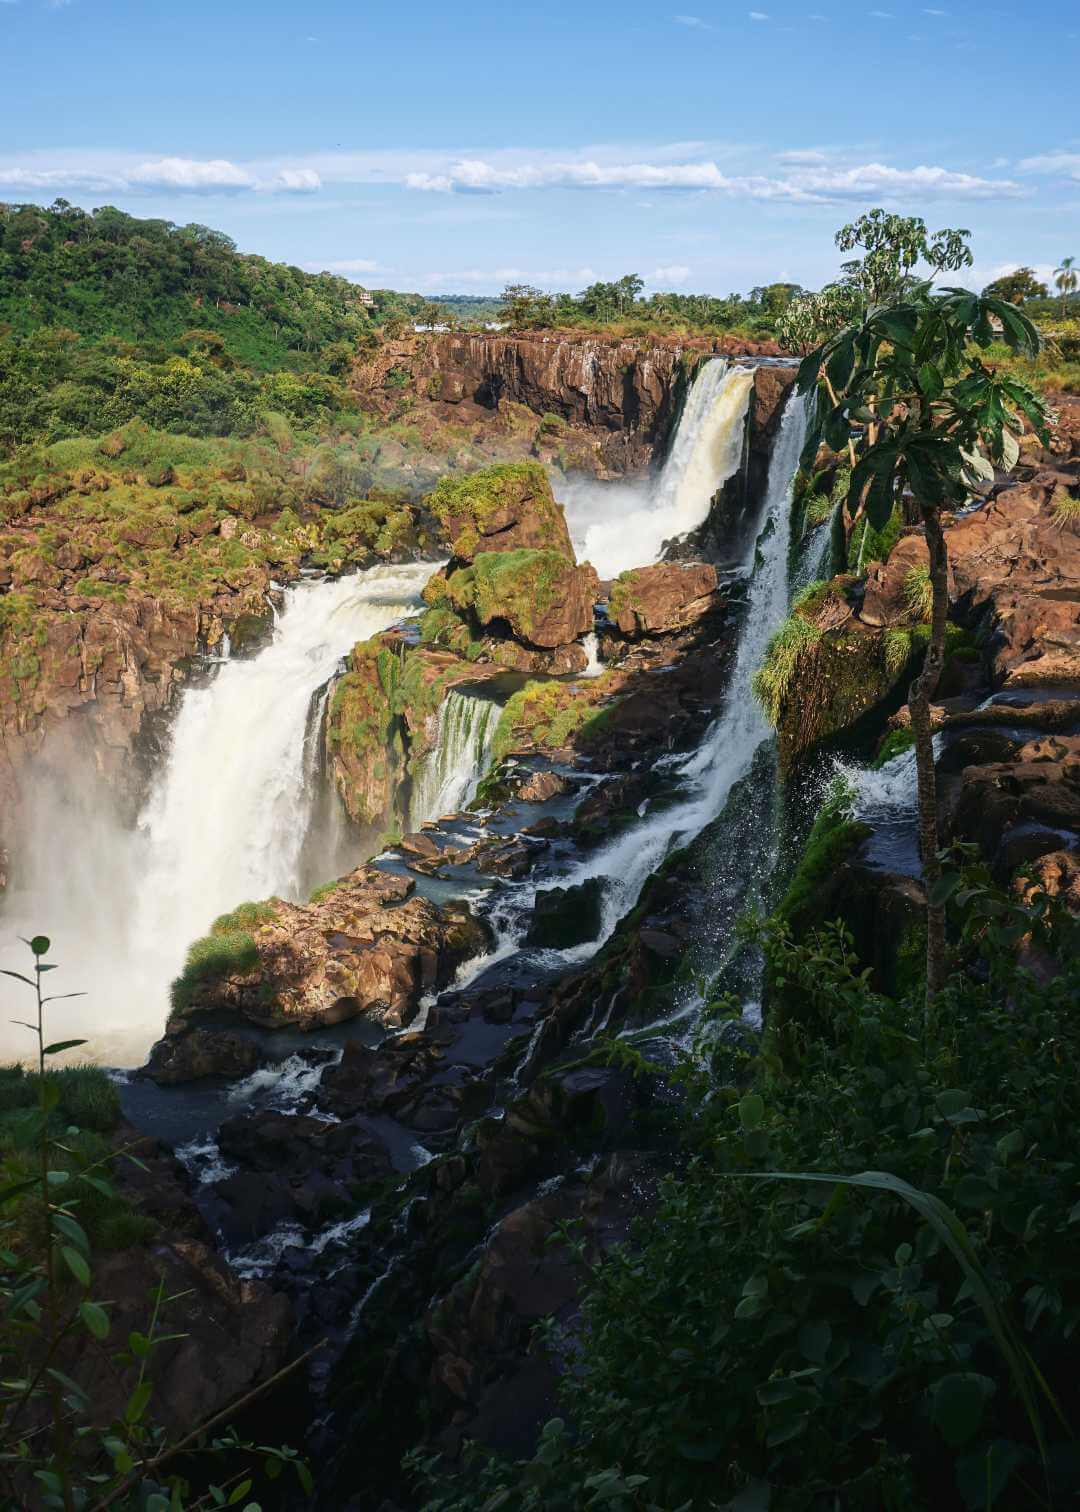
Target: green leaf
19, 978
239, 1492
15, 1189
1027, 1379
957, 1405
57, 1178
814, 1340
76, 1264
95, 1318
137, 1402
943, 889
39, 944
931, 381
752, 1110
74, 1231
63, 1045
951, 1102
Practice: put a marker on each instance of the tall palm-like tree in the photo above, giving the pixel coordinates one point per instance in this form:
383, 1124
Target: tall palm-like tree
1066, 279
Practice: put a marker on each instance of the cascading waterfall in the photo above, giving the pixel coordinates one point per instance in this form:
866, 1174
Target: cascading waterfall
815, 556
727, 751
226, 821
595, 665
616, 527
450, 773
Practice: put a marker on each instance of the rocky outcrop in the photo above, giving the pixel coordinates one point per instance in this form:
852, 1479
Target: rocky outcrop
369, 946
607, 403
1019, 809
543, 598
656, 600
1016, 565
503, 508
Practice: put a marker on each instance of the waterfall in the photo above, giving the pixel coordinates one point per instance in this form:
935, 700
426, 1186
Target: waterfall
591, 644
730, 744
727, 751
225, 822
450, 773
620, 526
815, 556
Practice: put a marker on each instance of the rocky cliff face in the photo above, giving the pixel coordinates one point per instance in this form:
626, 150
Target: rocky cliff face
608, 403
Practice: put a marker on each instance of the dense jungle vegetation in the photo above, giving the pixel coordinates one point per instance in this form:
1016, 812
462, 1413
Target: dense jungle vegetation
104, 317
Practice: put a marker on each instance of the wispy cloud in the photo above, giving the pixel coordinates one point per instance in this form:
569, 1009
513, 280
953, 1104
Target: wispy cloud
804, 176
1067, 163
929, 12
674, 273
812, 180
694, 21
759, 16
880, 15
187, 175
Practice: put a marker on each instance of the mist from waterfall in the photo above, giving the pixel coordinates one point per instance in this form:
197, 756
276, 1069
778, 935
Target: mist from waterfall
617, 526
451, 771
228, 819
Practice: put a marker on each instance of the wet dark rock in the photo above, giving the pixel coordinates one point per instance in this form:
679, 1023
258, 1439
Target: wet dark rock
202, 1053
565, 916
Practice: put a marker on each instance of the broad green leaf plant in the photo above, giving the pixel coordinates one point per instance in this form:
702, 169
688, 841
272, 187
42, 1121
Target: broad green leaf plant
906, 391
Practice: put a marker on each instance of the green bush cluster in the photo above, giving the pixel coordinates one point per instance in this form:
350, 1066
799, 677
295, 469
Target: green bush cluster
858, 1289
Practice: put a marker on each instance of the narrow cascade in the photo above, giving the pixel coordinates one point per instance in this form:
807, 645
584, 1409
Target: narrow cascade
592, 651
225, 822
729, 746
705, 453
815, 557
450, 773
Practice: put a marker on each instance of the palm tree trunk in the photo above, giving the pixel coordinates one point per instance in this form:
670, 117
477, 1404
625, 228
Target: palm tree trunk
922, 691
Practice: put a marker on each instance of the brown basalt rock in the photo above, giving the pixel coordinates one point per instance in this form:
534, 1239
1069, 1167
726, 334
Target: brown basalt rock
886, 602
657, 600
616, 397
202, 1053
369, 947
542, 786
1016, 562
560, 661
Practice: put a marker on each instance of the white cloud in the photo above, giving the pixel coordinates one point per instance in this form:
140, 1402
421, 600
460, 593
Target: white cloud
188, 175
879, 15
801, 176
694, 21
927, 12
811, 180
674, 273
1067, 163
759, 15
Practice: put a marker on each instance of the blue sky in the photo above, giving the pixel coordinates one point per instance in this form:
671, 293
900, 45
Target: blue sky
458, 147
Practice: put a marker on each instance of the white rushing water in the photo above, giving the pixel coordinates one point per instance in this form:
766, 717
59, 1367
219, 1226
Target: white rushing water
451, 771
727, 751
617, 526
815, 556
226, 822
595, 665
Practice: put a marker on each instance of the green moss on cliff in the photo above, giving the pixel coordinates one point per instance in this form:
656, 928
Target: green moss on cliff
466, 505
209, 960
516, 586
551, 715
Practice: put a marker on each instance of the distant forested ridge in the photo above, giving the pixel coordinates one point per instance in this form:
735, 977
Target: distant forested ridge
104, 317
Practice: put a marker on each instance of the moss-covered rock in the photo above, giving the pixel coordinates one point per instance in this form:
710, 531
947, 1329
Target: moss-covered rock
502, 508
539, 595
